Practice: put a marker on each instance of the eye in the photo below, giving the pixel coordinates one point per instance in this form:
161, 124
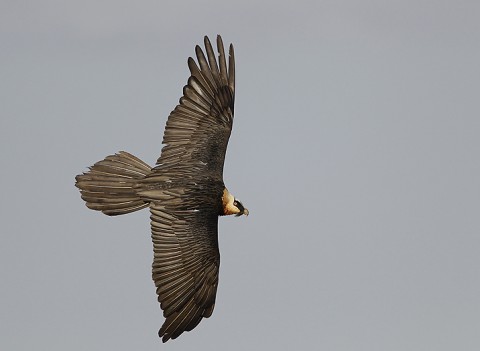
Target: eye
235, 203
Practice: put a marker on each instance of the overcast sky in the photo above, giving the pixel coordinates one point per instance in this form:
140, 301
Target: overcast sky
356, 148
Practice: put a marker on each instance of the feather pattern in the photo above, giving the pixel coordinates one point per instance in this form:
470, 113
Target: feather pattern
109, 184
186, 263
199, 127
184, 191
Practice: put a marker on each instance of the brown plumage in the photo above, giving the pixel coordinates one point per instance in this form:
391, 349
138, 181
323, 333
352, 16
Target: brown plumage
184, 191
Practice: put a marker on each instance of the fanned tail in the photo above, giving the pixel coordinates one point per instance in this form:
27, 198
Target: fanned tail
109, 185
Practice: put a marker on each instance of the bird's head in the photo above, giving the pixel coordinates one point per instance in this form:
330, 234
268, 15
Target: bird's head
232, 205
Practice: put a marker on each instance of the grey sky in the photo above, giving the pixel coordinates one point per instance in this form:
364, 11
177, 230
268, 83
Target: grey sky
355, 148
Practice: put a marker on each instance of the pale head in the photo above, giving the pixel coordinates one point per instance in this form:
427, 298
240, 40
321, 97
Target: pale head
232, 205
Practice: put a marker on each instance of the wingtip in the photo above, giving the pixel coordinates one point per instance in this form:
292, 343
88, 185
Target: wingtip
207, 41
165, 337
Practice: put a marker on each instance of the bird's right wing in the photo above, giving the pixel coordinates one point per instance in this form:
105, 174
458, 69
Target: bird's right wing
198, 129
186, 263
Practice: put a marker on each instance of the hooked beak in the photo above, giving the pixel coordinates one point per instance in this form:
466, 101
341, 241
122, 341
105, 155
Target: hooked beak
245, 212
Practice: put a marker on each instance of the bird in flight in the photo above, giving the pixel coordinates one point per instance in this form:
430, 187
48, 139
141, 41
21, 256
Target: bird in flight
184, 191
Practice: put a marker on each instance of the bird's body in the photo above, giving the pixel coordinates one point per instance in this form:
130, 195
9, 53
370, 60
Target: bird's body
184, 191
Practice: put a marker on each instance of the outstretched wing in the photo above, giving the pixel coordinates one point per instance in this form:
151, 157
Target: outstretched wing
186, 263
184, 213
198, 129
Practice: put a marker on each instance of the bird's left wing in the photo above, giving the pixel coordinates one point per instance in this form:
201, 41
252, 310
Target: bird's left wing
186, 263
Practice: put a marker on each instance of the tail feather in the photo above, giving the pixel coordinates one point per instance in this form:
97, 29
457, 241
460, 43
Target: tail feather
109, 185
